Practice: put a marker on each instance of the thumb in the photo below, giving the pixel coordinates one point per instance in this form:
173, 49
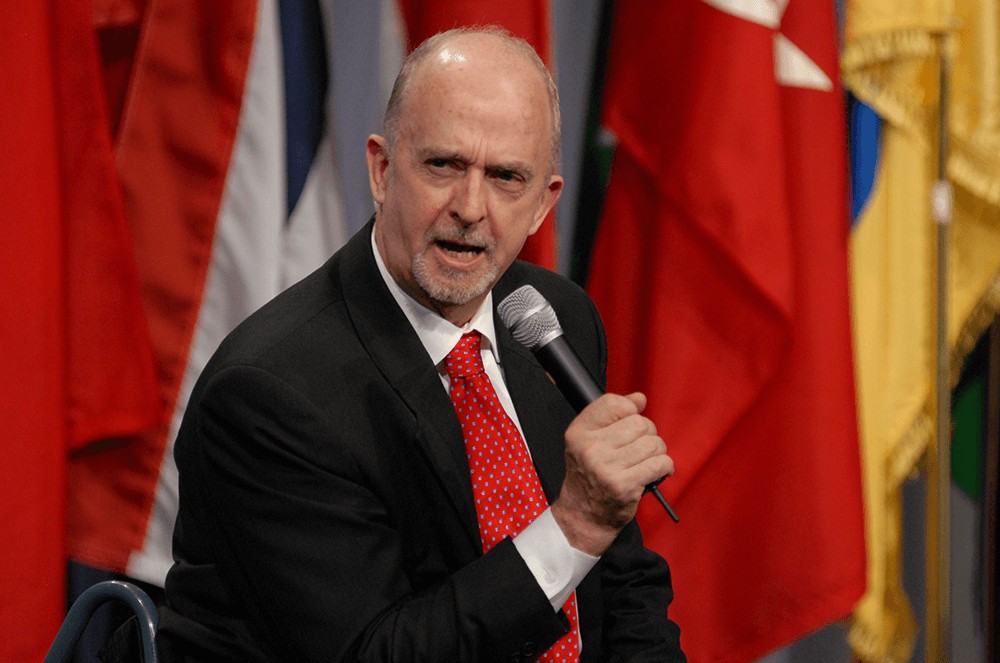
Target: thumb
639, 400
610, 408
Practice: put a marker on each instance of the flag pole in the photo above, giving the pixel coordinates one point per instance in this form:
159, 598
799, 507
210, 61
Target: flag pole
939, 450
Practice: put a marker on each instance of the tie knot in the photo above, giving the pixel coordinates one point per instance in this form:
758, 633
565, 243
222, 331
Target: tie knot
466, 357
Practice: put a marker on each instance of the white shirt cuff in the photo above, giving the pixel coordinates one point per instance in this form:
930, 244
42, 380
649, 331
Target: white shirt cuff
557, 566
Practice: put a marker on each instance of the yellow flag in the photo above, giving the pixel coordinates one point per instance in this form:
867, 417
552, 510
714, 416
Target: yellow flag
890, 61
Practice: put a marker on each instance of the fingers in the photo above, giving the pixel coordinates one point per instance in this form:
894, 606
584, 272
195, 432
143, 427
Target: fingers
625, 445
628, 469
635, 455
609, 409
616, 449
615, 421
612, 453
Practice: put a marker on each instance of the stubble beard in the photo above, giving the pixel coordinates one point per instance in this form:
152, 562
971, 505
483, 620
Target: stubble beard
450, 286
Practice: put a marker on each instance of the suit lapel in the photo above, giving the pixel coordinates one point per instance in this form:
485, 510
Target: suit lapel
398, 353
392, 344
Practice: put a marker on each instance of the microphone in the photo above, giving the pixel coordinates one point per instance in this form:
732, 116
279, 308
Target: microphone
534, 324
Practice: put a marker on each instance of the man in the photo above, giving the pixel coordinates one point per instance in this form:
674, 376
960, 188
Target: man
332, 507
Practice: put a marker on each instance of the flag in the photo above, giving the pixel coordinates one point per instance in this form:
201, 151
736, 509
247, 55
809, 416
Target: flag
891, 253
890, 63
528, 19
78, 365
223, 155
720, 270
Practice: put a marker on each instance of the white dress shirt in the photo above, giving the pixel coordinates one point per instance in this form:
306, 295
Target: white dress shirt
557, 566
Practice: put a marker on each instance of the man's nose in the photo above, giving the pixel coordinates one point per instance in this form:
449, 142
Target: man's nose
469, 201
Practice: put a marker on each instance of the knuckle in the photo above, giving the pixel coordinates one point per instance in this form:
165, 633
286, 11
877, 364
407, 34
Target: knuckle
620, 404
609, 400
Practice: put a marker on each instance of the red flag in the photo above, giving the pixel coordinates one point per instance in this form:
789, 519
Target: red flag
528, 19
77, 365
725, 224
172, 153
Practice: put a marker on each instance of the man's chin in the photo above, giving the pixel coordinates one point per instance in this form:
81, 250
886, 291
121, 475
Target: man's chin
450, 286
456, 291
453, 295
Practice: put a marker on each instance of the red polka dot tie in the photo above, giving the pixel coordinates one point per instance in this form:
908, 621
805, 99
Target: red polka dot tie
504, 482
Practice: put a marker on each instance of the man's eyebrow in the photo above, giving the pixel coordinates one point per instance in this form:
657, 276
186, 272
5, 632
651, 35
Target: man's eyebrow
523, 168
434, 153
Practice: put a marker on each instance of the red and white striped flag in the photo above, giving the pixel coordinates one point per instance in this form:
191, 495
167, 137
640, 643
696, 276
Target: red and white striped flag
218, 230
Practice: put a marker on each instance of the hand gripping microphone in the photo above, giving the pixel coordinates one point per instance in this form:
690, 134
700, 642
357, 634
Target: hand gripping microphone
533, 323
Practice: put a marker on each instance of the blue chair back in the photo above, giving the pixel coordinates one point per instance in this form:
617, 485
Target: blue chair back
87, 604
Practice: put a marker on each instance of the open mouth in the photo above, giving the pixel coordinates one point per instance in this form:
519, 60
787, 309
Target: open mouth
464, 249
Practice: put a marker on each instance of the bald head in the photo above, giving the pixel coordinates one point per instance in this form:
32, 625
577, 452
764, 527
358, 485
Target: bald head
463, 174
449, 48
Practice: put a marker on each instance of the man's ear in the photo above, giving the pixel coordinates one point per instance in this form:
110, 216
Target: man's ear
378, 165
548, 201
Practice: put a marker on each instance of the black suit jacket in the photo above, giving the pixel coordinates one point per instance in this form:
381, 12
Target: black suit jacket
326, 508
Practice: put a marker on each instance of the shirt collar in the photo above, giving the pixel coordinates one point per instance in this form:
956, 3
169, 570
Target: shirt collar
438, 335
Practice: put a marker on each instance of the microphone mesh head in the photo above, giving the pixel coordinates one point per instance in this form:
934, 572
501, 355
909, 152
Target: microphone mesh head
529, 317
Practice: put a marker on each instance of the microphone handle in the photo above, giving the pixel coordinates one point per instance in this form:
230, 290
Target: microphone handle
570, 374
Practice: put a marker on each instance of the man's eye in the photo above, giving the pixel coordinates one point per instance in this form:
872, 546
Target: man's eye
506, 175
439, 163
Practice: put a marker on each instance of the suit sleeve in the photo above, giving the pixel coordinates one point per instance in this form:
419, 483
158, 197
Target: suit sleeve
312, 556
636, 590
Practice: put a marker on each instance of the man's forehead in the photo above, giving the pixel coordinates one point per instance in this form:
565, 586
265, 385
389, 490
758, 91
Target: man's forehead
447, 55
467, 72
461, 48
476, 53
